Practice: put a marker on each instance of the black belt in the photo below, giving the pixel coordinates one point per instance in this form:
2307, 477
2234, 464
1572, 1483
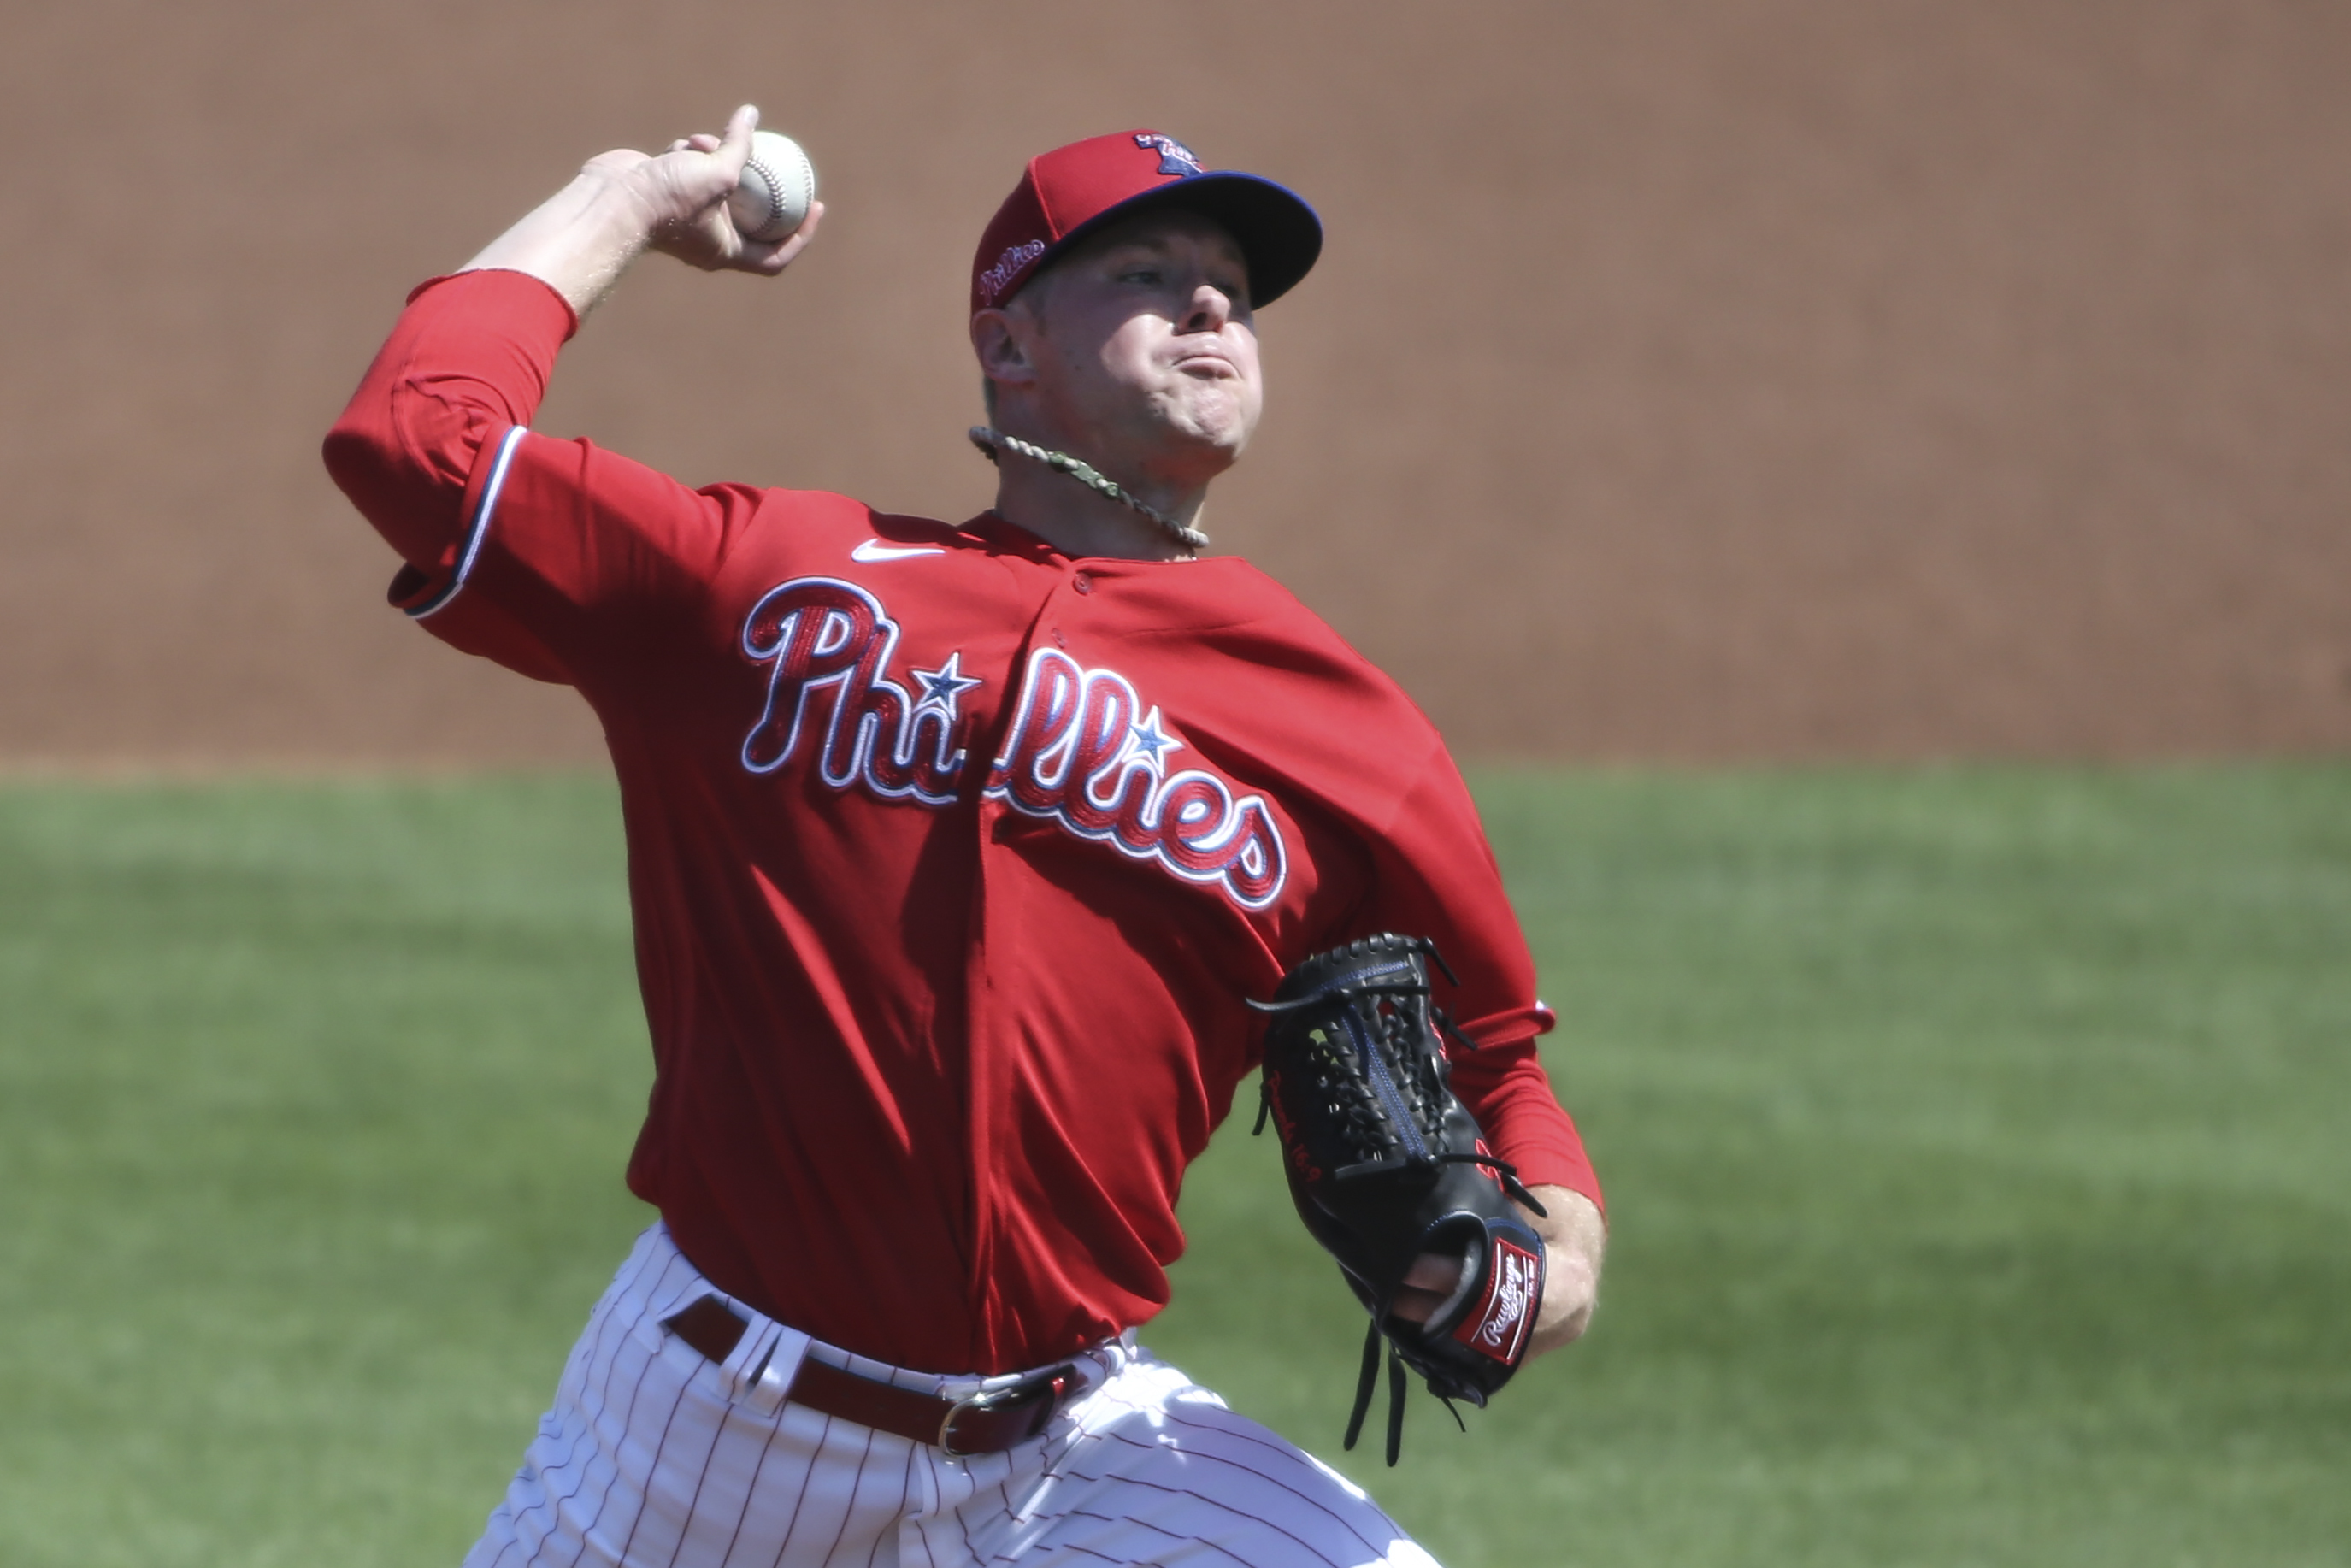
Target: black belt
986, 1423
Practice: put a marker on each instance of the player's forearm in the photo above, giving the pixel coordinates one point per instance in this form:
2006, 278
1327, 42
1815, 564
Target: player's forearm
578, 241
1574, 1237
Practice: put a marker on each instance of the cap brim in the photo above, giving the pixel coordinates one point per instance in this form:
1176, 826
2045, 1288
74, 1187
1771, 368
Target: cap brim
1278, 233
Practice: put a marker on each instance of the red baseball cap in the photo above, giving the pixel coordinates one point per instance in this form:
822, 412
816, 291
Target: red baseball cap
1072, 190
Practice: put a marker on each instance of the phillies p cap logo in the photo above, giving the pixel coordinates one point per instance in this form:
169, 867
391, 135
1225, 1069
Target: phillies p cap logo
1174, 158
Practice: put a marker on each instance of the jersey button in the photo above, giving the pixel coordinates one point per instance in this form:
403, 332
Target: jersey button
1082, 583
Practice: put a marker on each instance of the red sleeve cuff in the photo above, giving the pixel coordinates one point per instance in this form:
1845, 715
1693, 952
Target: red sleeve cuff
518, 293
1510, 1028
1547, 1151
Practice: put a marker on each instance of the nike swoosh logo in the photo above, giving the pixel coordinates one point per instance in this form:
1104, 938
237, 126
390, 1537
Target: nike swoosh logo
875, 550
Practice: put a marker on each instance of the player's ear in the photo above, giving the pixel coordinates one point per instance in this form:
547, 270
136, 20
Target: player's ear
1002, 348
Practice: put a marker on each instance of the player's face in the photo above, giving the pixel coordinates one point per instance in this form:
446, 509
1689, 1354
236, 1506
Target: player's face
1144, 352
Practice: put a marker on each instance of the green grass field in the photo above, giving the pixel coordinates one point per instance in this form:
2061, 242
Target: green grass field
1975, 1139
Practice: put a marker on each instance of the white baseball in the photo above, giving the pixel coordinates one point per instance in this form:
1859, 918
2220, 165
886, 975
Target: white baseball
779, 182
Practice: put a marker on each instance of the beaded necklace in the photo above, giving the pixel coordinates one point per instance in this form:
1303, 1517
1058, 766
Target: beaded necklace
990, 442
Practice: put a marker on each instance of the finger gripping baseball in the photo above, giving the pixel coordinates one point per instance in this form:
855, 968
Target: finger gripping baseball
1384, 1165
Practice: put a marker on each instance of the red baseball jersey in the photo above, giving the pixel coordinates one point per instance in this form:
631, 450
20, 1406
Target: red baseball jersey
953, 859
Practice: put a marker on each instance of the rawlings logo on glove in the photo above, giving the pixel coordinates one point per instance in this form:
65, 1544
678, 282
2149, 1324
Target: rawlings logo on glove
1513, 1286
1385, 1165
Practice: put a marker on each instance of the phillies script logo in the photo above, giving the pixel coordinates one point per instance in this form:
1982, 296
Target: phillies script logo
828, 644
1499, 1328
1014, 257
1082, 753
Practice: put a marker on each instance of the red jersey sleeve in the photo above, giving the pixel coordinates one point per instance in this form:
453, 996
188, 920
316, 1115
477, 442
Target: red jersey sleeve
1434, 876
530, 551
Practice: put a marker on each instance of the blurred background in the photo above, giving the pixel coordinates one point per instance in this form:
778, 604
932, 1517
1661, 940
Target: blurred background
1863, 483
1723, 379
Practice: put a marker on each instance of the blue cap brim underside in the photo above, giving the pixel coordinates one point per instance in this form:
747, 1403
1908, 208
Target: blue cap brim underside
1278, 233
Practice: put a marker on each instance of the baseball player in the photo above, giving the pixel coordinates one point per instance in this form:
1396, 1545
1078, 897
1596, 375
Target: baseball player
957, 852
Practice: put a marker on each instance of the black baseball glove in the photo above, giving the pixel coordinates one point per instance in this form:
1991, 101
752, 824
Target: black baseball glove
1385, 1164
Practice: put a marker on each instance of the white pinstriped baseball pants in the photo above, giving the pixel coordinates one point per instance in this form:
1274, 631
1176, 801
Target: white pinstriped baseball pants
656, 1457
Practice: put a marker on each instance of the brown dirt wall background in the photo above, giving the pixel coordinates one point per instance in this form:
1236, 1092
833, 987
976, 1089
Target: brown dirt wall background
1724, 379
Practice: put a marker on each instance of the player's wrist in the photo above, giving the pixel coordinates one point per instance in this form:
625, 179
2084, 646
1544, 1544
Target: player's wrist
1575, 1240
582, 239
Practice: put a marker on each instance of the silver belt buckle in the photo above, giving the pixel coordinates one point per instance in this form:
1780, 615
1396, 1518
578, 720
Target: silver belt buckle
975, 1401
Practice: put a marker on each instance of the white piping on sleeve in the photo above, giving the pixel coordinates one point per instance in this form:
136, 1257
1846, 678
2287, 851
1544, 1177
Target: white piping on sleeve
479, 529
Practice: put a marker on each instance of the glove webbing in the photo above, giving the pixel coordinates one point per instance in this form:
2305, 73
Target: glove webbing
1506, 1173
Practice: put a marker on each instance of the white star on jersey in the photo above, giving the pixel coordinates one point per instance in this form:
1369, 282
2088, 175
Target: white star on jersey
943, 685
1151, 743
